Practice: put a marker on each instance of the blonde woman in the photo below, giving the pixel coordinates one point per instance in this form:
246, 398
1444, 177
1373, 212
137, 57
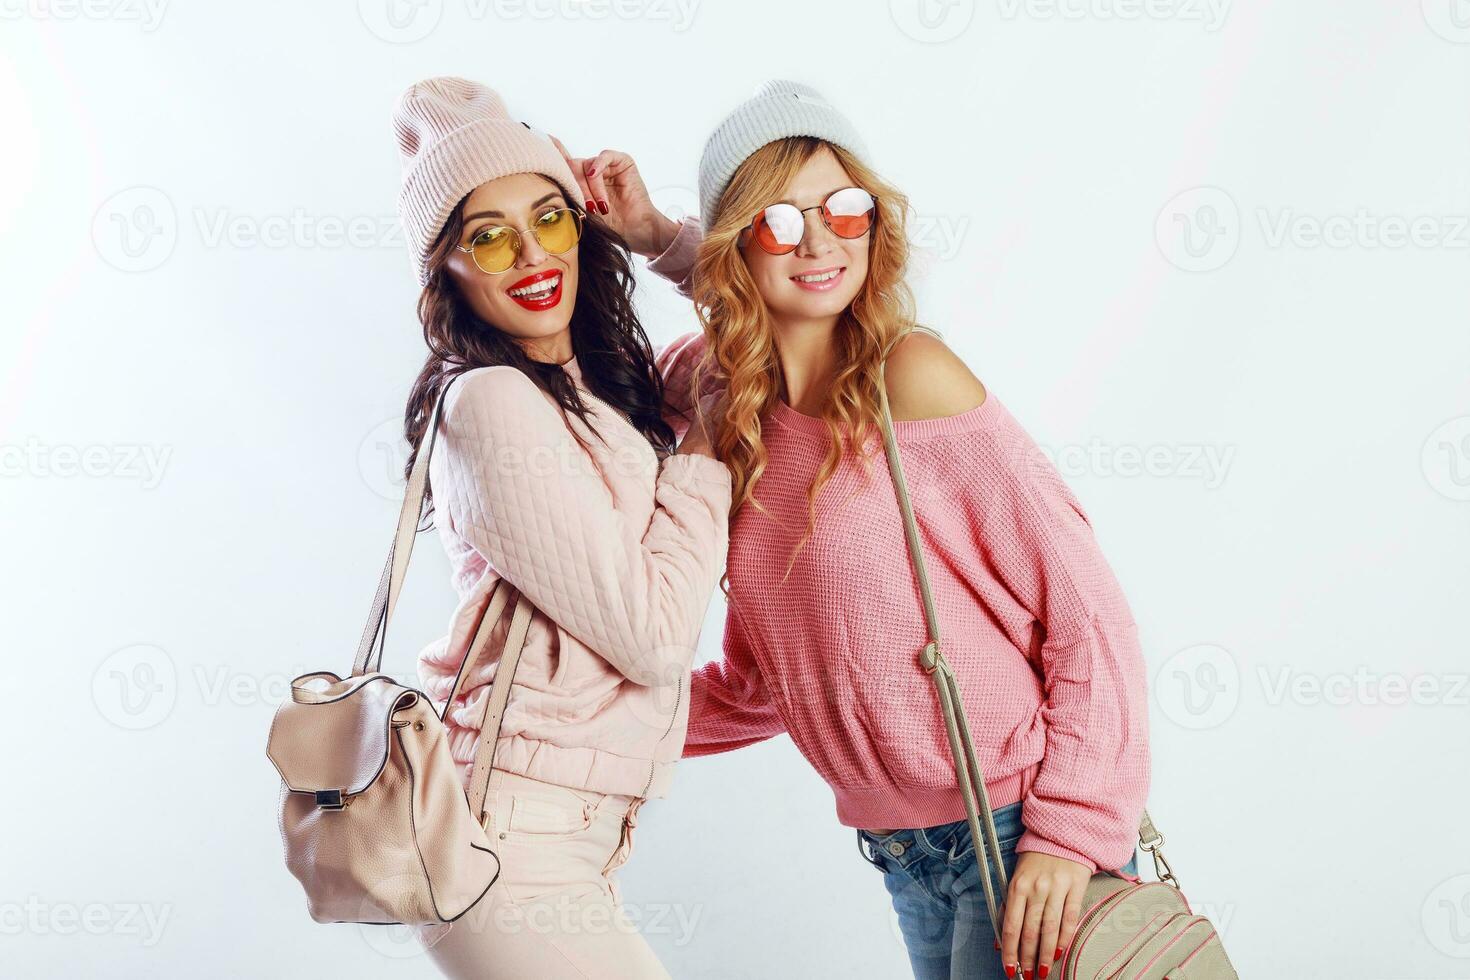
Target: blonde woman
798, 277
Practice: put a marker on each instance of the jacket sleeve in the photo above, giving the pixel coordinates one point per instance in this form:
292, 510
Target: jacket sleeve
1089, 792
676, 263
675, 364
523, 492
730, 705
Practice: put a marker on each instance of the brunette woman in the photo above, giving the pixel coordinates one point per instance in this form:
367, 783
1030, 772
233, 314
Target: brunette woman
556, 473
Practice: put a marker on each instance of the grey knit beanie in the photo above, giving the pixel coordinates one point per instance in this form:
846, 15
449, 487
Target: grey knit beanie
779, 109
454, 135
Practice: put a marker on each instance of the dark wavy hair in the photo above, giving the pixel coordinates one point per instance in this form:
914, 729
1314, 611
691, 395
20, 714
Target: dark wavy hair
613, 352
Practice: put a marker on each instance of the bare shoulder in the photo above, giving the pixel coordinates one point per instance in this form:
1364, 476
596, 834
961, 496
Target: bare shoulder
927, 380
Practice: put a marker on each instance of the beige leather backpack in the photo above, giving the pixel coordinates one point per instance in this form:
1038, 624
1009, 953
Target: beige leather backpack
1137, 930
376, 823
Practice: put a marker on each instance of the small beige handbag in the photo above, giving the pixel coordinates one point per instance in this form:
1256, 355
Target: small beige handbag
376, 823
1129, 929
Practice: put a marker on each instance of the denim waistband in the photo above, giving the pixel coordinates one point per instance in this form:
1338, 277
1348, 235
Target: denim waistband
945, 841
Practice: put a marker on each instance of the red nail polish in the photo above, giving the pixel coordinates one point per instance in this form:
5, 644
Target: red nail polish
1043, 970
1010, 969
1058, 954
602, 206
997, 944
1026, 974
591, 206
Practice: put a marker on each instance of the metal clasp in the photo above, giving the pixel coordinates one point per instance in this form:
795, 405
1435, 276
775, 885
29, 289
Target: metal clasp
1161, 864
330, 799
931, 659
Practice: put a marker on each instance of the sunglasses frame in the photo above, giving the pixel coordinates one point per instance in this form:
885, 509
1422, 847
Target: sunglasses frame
580, 215
823, 206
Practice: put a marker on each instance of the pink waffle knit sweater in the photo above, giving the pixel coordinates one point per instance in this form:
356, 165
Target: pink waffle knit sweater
1032, 619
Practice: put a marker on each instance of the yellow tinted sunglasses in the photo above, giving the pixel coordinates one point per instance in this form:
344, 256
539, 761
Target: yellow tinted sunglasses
496, 248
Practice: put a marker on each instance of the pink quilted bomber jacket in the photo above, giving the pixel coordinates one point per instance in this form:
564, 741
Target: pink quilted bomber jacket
620, 554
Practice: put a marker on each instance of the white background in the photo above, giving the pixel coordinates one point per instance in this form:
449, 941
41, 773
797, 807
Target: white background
1212, 256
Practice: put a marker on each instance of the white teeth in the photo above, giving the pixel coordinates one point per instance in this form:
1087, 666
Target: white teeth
820, 277
537, 289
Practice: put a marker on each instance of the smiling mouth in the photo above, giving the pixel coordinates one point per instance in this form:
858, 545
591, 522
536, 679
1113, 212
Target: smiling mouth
540, 291
820, 279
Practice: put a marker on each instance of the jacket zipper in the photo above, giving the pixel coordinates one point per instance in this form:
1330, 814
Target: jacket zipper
653, 762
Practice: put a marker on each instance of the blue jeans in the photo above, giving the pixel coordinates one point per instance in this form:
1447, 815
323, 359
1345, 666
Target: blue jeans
933, 875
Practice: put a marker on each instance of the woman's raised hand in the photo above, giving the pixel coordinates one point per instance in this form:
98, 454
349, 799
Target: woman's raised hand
613, 189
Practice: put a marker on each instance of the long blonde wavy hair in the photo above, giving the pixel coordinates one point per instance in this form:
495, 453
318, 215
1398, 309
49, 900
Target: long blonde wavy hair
741, 347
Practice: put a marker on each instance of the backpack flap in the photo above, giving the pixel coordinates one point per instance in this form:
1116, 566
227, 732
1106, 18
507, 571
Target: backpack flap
331, 739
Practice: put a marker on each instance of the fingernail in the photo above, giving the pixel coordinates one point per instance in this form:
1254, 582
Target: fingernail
1026, 973
997, 944
1043, 970
602, 206
1010, 969
591, 169
1058, 954
591, 206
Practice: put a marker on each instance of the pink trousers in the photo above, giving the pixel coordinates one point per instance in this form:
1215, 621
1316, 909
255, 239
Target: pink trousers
555, 911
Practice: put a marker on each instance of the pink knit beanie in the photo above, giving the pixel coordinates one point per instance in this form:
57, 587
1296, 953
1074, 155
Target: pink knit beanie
453, 136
